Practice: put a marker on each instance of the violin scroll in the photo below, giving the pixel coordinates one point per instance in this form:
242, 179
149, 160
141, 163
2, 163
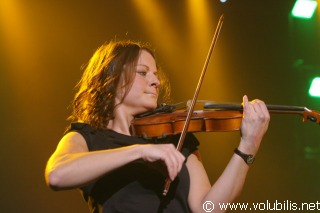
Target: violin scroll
311, 115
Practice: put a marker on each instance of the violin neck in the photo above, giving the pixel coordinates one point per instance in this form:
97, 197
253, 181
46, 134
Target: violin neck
286, 109
307, 114
271, 108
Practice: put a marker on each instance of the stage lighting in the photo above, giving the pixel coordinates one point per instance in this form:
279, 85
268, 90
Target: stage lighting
304, 9
314, 90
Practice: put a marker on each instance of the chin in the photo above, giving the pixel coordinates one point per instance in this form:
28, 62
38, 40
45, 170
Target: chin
150, 105
151, 108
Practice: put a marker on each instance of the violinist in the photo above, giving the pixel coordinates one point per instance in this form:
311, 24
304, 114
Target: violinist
119, 172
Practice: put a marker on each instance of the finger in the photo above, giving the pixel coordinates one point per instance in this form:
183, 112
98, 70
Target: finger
244, 100
264, 109
264, 112
261, 108
172, 167
181, 160
247, 106
177, 160
172, 161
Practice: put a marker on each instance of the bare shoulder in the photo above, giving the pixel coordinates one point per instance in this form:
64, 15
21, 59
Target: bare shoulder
72, 142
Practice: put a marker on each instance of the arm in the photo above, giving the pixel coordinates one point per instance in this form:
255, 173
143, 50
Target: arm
225, 189
72, 165
229, 185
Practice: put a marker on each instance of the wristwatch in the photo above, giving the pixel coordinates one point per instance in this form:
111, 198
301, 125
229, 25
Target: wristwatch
249, 159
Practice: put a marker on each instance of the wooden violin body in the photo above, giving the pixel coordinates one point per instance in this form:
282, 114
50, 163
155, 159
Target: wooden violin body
162, 125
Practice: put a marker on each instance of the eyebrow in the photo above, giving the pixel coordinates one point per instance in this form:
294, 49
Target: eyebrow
143, 65
147, 67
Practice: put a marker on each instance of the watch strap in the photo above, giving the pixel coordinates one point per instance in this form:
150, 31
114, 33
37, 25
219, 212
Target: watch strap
248, 159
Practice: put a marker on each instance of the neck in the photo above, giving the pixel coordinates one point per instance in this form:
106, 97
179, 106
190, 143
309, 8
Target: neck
121, 122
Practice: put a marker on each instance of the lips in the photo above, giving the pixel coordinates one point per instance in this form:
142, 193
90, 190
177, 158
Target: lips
152, 93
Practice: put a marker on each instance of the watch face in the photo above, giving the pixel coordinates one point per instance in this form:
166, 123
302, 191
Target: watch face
250, 159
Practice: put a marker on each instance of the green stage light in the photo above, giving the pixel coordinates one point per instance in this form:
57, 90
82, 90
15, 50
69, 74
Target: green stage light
314, 90
304, 8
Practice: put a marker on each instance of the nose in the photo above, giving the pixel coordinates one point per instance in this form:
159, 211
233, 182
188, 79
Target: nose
154, 81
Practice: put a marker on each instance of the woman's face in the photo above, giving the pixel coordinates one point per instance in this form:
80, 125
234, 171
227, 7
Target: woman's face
143, 94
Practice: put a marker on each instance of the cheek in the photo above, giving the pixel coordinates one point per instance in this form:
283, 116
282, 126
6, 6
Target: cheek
136, 90
138, 85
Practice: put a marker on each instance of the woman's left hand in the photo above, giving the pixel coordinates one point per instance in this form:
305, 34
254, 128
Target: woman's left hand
254, 125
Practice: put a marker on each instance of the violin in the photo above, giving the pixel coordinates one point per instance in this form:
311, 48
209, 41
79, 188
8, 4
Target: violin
213, 118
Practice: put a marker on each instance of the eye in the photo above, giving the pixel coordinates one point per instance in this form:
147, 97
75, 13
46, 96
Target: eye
142, 72
156, 74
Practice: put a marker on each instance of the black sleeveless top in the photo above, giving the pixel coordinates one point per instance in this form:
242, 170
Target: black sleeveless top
138, 186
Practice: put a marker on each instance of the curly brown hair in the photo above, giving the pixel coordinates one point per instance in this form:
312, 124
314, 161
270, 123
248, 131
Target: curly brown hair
94, 103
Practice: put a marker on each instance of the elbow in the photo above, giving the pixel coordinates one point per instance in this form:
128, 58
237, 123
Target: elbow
54, 180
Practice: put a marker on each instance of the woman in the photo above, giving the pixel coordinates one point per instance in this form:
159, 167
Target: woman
118, 172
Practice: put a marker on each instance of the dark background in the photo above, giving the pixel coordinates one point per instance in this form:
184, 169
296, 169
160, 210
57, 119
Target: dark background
262, 52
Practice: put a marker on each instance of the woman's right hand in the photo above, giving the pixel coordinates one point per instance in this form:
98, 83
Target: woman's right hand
166, 153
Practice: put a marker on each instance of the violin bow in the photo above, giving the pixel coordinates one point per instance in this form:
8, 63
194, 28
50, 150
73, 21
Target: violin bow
194, 99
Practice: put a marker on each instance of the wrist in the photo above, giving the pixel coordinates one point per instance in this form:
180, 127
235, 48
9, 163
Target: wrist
248, 147
136, 151
248, 158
